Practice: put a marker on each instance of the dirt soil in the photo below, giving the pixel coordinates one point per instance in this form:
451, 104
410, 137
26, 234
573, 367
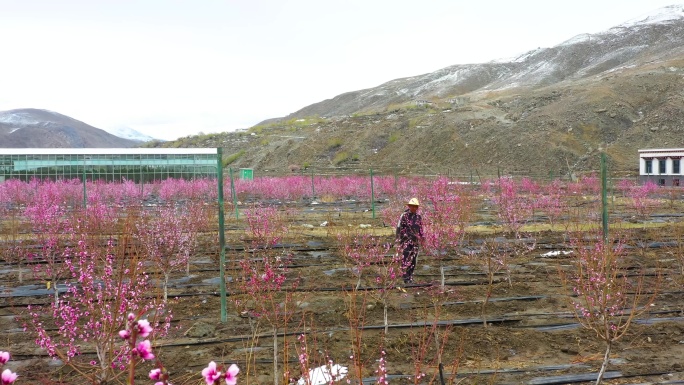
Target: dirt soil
532, 336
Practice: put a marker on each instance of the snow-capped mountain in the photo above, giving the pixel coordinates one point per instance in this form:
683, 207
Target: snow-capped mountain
30, 127
129, 133
663, 15
655, 37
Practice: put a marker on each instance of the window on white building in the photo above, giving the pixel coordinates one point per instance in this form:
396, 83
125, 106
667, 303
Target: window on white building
649, 166
675, 166
662, 166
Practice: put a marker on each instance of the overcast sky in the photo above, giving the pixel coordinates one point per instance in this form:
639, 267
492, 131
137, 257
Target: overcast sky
171, 68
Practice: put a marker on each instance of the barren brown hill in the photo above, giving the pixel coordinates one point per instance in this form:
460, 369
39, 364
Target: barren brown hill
556, 129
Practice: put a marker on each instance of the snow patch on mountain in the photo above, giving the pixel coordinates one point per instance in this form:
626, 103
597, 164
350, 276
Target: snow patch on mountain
659, 16
519, 58
28, 117
17, 118
581, 38
129, 133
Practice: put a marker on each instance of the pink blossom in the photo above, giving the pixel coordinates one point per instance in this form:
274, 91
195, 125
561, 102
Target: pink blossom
145, 350
144, 328
382, 369
8, 377
4, 357
155, 374
210, 373
125, 334
231, 375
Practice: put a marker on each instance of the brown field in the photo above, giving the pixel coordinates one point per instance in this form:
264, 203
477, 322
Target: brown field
532, 335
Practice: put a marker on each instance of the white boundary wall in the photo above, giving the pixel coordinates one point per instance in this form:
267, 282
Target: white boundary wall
107, 151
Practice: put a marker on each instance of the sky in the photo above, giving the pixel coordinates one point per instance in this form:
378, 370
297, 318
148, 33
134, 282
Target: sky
172, 68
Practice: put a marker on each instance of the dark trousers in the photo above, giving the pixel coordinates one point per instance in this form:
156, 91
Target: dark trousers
410, 251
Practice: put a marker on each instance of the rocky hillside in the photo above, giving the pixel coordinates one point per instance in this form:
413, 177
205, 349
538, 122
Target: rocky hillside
549, 112
650, 39
33, 128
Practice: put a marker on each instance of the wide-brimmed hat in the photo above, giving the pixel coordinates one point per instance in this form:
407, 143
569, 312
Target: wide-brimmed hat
413, 202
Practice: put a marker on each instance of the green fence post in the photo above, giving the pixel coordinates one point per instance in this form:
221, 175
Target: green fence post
232, 193
142, 183
395, 181
222, 235
372, 193
604, 197
313, 190
85, 197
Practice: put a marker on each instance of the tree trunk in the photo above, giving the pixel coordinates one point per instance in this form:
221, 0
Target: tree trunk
439, 355
490, 283
54, 287
275, 356
384, 303
441, 374
484, 314
606, 358
441, 271
166, 287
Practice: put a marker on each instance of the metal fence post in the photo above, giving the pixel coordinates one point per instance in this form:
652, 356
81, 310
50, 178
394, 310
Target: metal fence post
232, 193
313, 190
372, 193
222, 235
604, 196
85, 196
396, 177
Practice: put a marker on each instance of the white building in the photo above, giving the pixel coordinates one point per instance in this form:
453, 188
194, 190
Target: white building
661, 165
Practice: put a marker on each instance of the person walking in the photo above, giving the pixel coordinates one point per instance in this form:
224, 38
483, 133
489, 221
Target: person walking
409, 236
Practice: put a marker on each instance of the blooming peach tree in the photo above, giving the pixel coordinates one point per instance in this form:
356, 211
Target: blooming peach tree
607, 298
104, 287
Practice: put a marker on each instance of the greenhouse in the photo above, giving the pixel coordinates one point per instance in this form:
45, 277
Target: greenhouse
108, 164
